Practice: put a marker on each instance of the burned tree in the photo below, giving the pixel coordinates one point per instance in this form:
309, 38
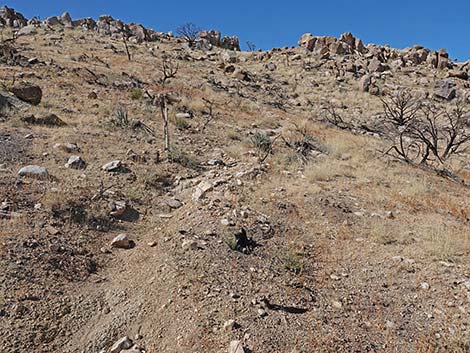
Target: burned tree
423, 133
168, 71
189, 32
210, 112
455, 132
400, 108
251, 46
165, 98
124, 39
331, 116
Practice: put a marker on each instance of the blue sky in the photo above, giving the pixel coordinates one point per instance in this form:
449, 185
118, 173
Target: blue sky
433, 23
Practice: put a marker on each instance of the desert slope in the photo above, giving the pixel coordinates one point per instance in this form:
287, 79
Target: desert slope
276, 219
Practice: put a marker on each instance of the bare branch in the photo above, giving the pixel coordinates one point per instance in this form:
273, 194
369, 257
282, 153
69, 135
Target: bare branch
168, 70
401, 108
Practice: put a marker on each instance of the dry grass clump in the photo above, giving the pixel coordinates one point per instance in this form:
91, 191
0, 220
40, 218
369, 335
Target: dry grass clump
428, 236
193, 104
268, 123
177, 155
445, 242
234, 135
325, 169
77, 207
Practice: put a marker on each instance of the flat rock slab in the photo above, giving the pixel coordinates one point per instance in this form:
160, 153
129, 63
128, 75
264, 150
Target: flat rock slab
203, 187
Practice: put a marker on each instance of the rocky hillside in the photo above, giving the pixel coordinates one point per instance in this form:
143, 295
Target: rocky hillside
168, 194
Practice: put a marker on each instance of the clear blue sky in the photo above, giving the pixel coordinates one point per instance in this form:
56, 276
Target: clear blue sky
433, 23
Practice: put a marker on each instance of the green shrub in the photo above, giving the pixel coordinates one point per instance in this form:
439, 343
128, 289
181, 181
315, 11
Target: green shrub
121, 118
294, 261
137, 94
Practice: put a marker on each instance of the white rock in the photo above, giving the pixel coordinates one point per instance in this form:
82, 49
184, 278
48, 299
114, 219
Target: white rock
33, 171
236, 347
67, 147
112, 166
183, 116
134, 349
203, 187
121, 241
119, 208
229, 56
26, 31
425, 286
227, 222
121, 344
75, 162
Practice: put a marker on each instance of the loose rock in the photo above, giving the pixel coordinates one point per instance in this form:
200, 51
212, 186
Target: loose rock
33, 171
75, 162
203, 187
174, 203
121, 344
113, 166
445, 89
122, 242
236, 347
28, 93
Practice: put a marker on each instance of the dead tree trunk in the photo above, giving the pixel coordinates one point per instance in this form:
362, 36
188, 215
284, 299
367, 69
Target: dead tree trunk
127, 48
166, 128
